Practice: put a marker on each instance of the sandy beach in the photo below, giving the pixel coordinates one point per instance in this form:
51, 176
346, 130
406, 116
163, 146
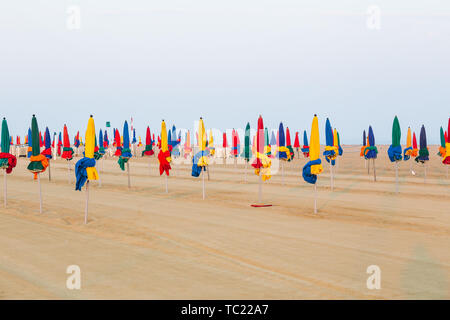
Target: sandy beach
143, 243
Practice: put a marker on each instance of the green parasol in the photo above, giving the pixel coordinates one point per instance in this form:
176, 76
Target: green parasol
266, 143
35, 166
247, 151
6, 143
396, 133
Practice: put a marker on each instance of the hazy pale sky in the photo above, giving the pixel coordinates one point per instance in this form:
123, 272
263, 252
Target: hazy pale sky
227, 61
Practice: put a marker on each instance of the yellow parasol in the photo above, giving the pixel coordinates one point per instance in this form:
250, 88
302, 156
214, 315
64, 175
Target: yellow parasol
314, 147
89, 148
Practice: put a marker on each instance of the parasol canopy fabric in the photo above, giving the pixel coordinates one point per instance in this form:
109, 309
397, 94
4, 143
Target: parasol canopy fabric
41, 141
200, 159
212, 149
47, 144
148, 151
101, 144
126, 151
423, 151
236, 147
283, 152
341, 152
164, 153
38, 162
314, 166
288, 145
262, 162
85, 167
60, 144
5, 138
363, 144
76, 142
247, 150
118, 143
415, 151
7, 160
134, 136
442, 146
447, 146
224, 140
273, 140
174, 142
187, 144
267, 147
305, 148
67, 150
30, 143
370, 151
296, 141
105, 140
407, 152
331, 151
395, 149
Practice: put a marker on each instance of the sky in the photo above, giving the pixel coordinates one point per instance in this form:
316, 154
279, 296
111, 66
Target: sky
227, 61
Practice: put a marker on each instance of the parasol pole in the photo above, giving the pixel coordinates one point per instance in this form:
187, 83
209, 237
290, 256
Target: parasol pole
331, 176
49, 171
167, 184
99, 179
40, 192
68, 171
315, 197
245, 175
396, 177
374, 171
87, 203
424, 173
5, 188
368, 167
282, 172
128, 173
260, 188
203, 183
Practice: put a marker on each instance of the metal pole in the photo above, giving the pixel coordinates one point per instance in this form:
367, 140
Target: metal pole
245, 171
128, 172
425, 173
40, 193
260, 188
87, 203
203, 183
331, 174
68, 170
396, 177
167, 185
5, 188
374, 171
315, 197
